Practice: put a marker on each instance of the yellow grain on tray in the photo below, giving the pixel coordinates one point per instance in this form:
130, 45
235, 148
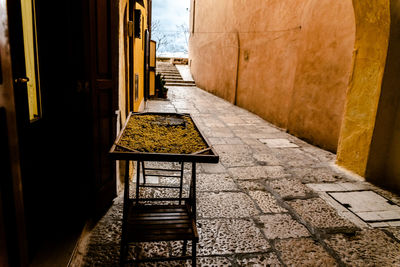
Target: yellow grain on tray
161, 134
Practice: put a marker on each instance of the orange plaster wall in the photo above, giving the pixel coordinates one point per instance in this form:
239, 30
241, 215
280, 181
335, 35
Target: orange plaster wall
322, 75
294, 60
121, 62
213, 48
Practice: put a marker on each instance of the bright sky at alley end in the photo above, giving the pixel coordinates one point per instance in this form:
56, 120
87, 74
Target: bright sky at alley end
171, 14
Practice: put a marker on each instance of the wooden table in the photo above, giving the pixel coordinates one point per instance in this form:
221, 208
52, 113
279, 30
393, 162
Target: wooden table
158, 222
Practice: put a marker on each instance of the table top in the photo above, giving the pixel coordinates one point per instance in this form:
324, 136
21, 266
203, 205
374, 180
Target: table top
154, 136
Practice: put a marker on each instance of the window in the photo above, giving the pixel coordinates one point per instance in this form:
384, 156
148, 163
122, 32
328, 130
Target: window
138, 19
143, 33
193, 14
136, 86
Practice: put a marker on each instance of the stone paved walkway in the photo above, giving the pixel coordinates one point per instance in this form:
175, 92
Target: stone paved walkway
265, 203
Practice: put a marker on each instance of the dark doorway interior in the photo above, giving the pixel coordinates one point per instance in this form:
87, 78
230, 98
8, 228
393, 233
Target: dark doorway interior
66, 176
54, 174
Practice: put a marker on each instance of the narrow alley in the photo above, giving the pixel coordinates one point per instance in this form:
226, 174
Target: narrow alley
281, 139
268, 202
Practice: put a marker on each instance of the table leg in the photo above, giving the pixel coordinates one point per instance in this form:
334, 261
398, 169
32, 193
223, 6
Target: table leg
137, 181
144, 174
194, 246
193, 191
181, 183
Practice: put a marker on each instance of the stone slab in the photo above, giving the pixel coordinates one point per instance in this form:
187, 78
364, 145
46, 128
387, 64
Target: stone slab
107, 231
367, 202
225, 141
322, 155
266, 202
279, 226
289, 188
266, 259
395, 231
225, 205
229, 236
366, 248
101, 255
295, 157
235, 155
218, 132
304, 252
314, 175
257, 172
213, 261
249, 141
278, 143
334, 187
215, 182
231, 120
212, 168
320, 216
251, 185
266, 159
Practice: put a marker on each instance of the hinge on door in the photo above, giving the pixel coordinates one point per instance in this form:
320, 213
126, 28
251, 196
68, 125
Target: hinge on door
130, 28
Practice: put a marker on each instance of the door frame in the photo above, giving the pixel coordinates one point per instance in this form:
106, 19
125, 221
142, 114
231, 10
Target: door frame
12, 210
102, 84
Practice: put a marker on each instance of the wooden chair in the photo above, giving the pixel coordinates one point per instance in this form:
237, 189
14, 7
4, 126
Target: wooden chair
159, 219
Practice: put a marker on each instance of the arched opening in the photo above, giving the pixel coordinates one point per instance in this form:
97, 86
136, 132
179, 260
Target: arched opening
383, 162
368, 127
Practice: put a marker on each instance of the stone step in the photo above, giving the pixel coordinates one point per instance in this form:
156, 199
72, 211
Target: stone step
172, 78
167, 72
171, 75
180, 84
163, 71
178, 81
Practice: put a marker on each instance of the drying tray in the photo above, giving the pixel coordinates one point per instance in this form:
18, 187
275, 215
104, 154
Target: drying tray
207, 155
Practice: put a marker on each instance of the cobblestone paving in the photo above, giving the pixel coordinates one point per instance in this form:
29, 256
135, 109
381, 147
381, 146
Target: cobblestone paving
262, 204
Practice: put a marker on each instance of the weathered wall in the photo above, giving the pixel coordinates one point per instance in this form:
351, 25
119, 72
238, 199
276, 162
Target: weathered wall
288, 61
122, 82
322, 74
123, 5
124, 52
372, 35
383, 162
213, 48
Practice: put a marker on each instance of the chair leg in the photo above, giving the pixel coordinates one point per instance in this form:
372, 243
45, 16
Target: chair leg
194, 245
184, 248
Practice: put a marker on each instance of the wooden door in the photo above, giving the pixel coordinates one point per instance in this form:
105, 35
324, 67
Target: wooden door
12, 227
104, 99
146, 64
152, 68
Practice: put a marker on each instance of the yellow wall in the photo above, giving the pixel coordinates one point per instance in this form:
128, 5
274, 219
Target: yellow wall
369, 57
138, 55
139, 58
123, 71
383, 160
